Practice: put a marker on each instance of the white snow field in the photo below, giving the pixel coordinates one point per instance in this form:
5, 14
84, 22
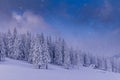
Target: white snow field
19, 70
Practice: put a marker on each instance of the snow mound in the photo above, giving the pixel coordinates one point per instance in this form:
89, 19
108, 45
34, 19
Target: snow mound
20, 70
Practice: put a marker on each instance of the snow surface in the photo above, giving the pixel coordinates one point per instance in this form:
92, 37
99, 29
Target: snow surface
19, 70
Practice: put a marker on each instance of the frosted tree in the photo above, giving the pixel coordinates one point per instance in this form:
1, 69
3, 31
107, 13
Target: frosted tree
22, 47
5, 44
41, 56
85, 59
30, 56
67, 62
93, 60
45, 55
37, 54
103, 63
99, 63
65, 55
16, 45
118, 65
45, 52
81, 58
73, 59
15, 34
114, 64
9, 44
58, 53
78, 63
27, 45
109, 65
16, 49
50, 49
2, 48
88, 59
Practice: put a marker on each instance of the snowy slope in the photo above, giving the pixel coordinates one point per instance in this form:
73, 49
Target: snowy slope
19, 70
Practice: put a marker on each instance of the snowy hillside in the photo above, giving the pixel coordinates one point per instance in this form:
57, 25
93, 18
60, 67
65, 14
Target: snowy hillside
19, 70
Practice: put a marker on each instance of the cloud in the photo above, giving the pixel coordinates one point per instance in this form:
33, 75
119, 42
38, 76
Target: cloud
28, 21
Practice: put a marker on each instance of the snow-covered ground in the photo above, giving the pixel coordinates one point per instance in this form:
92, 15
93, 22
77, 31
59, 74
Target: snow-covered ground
19, 70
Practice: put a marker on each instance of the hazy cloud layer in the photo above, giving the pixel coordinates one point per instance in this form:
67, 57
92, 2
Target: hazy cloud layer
27, 21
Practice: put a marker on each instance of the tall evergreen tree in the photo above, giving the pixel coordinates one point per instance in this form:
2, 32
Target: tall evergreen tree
2, 48
9, 44
22, 47
58, 52
15, 47
50, 49
37, 54
30, 56
27, 45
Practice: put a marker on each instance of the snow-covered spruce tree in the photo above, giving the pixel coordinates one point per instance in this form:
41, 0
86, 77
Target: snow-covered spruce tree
66, 56
37, 54
99, 63
50, 49
41, 56
27, 45
30, 56
88, 59
71, 51
58, 52
2, 48
114, 64
85, 59
16, 45
93, 61
22, 47
74, 58
9, 45
16, 49
109, 66
103, 63
45, 55
118, 65
81, 60
67, 63
5, 44
78, 60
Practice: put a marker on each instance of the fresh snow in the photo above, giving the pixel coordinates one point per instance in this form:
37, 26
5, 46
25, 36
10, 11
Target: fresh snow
19, 70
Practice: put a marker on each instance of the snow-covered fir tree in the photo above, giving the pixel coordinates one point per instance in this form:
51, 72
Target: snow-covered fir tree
45, 55
16, 45
22, 47
9, 44
37, 54
41, 56
27, 45
2, 48
50, 49
58, 52
65, 55
30, 56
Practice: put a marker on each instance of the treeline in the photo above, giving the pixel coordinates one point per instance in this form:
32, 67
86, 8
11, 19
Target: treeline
40, 51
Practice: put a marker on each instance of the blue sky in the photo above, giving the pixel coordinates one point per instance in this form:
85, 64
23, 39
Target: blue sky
91, 25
